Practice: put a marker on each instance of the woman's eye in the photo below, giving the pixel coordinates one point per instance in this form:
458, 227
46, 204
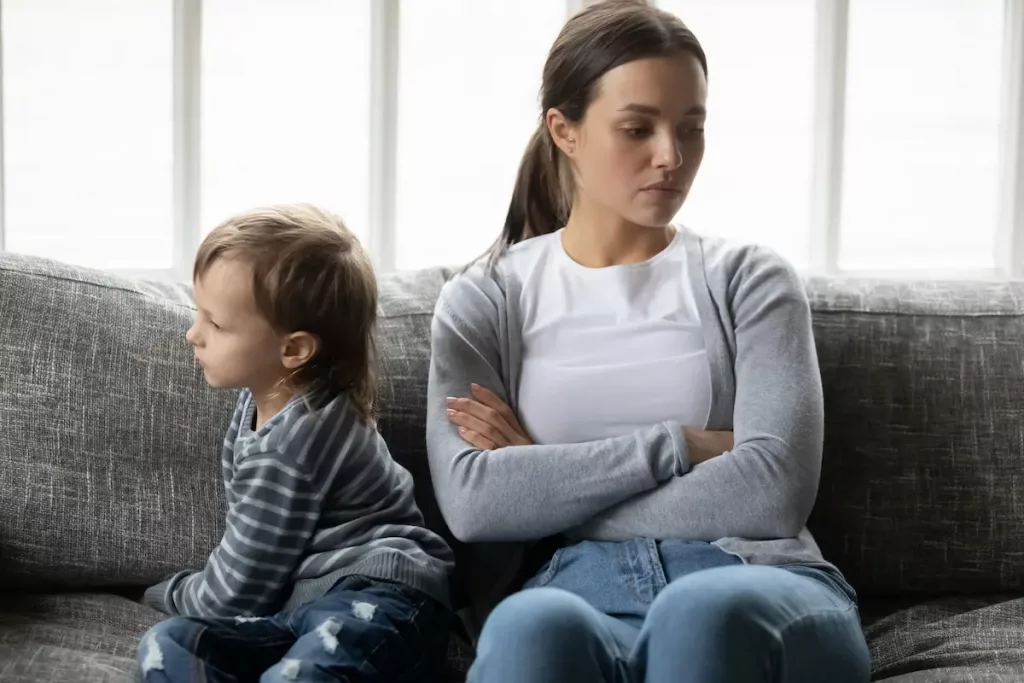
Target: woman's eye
693, 133
636, 132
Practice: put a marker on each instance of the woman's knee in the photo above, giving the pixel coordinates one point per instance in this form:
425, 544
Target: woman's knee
548, 636
542, 616
718, 597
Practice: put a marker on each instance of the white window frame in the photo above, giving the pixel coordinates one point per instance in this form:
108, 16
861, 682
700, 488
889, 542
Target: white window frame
384, 39
3, 165
831, 31
831, 42
186, 77
1010, 235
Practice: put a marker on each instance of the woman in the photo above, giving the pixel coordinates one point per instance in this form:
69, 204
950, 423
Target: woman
646, 396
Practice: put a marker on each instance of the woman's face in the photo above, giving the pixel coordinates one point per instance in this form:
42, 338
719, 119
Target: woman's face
639, 145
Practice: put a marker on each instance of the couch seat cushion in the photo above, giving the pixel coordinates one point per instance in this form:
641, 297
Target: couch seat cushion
85, 637
963, 639
92, 638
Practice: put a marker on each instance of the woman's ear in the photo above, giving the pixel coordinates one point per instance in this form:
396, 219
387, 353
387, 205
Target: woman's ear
563, 132
298, 349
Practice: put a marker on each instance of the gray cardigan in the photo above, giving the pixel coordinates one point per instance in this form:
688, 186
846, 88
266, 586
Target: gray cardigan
752, 502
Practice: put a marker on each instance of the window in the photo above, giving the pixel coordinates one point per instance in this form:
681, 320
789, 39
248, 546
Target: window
285, 107
852, 136
470, 75
921, 177
87, 131
755, 181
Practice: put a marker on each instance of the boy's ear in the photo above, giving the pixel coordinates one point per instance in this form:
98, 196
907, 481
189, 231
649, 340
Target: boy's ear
298, 349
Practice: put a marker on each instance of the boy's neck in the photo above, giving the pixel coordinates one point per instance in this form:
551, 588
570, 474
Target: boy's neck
270, 403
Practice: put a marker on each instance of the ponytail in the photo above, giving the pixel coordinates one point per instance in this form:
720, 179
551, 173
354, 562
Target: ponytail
542, 196
594, 41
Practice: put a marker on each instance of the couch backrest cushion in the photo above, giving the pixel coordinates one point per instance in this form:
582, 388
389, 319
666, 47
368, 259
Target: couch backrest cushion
108, 435
922, 487
110, 439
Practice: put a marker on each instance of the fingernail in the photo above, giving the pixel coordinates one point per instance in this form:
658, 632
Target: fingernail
451, 412
462, 430
474, 387
450, 400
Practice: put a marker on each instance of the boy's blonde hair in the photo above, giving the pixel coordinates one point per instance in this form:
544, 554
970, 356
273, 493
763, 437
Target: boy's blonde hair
309, 274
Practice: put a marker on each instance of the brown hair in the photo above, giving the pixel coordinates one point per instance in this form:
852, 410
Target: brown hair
593, 42
309, 274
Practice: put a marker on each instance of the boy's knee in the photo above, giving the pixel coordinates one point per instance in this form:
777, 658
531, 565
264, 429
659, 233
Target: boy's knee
169, 634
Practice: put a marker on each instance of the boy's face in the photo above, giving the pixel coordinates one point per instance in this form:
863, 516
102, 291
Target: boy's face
234, 344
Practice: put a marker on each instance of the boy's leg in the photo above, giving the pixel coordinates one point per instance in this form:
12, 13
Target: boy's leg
366, 632
214, 650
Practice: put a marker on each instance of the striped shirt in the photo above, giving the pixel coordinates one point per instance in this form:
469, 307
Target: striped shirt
313, 496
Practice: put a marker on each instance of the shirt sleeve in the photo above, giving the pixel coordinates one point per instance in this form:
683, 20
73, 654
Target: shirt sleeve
272, 519
766, 486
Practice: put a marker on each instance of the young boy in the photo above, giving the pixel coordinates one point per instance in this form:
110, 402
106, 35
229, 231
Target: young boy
325, 571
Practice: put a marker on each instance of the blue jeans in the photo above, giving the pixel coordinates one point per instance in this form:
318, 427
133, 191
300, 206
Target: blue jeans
361, 630
672, 612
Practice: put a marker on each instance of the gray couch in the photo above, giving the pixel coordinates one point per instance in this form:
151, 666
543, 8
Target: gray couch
109, 463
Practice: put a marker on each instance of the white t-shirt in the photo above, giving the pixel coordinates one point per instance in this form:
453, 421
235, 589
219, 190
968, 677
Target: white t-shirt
607, 350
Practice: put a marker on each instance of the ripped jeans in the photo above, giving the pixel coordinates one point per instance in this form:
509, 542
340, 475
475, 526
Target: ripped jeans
361, 631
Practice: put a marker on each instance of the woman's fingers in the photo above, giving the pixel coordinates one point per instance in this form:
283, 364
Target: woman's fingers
476, 440
488, 416
491, 400
469, 421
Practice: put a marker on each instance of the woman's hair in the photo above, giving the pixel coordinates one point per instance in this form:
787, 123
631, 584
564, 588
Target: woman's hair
593, 42
309, 274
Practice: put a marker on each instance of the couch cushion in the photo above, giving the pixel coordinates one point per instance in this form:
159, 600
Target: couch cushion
33, 663
110, 442
92, 638
954, 639
73, 637
109, 445
924, 437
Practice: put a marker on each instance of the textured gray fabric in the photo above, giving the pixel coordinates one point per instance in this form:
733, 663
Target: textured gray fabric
94, 371
76, 621
74, 637
924, 456
35, 663
95, 375
924, 435
953, 639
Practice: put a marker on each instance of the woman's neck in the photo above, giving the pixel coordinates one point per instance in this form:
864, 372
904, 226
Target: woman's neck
597, 241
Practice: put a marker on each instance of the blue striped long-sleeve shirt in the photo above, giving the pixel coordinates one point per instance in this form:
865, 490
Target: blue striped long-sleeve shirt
313, 495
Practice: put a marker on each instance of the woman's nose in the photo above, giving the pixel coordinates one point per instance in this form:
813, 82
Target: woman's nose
669, 154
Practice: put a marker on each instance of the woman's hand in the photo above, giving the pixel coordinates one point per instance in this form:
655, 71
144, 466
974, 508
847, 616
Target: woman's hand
704, 445
485, 421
